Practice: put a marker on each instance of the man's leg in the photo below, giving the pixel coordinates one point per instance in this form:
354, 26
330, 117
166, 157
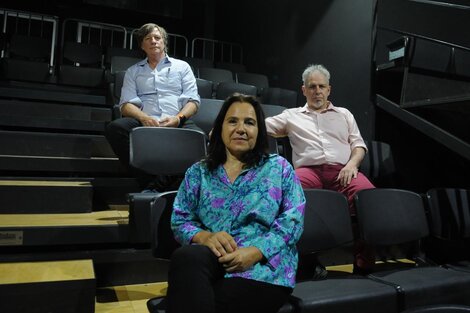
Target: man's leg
364, 256
194, 269
357, 184
117, 133
309, 177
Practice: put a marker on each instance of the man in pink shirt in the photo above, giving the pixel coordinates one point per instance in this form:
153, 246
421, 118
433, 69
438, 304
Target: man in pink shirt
327, 146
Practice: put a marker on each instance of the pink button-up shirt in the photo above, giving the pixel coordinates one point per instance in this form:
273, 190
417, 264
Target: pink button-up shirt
326, 137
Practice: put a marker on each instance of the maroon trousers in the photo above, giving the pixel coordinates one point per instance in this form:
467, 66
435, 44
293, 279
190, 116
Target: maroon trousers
325, 176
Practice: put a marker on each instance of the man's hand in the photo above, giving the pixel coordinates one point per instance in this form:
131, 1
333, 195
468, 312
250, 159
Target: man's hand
221, 243
170, 121
149, 121
241, 259
347, 173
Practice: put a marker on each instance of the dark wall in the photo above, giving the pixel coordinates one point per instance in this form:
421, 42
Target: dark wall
281, 38
422, 162
193, 19
435, 21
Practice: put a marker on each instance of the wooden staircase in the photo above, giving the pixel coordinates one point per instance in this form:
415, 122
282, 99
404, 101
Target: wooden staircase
64, 217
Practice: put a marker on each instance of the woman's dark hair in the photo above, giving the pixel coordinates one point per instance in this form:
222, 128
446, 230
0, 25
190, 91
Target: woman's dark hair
146, 29
217, 154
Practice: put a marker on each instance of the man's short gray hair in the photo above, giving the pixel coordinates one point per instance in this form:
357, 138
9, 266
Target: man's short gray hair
316, 68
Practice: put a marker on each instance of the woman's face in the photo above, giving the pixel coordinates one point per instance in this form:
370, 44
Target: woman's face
240, 129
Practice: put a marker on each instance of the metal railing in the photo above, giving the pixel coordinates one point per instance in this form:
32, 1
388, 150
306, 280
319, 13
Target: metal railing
216, 50
25, 23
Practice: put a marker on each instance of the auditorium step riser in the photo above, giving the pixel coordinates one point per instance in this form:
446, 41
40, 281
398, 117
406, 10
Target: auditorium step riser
53, 287
27, 165
54, 110
54, 145
56, 96
36, 197
27, 115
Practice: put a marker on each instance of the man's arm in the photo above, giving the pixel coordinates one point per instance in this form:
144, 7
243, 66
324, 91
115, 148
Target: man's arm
130, 110
188, 110
349, 171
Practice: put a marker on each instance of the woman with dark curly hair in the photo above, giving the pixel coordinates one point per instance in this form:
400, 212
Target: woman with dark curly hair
238, 215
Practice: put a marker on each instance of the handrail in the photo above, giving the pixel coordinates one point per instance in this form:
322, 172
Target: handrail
93, 24
33, 16
220, 44
442, 42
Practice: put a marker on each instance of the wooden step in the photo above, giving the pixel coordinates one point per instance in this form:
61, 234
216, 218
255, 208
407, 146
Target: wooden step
128, 298
110, 226
45, 196
53, 286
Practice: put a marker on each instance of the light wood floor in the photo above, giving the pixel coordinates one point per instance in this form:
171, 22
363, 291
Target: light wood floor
128, 299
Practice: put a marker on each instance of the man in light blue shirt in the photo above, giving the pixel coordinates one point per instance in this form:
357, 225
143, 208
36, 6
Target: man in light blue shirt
158, 91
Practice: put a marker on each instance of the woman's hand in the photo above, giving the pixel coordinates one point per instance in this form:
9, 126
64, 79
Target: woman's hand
221, 243
241, 259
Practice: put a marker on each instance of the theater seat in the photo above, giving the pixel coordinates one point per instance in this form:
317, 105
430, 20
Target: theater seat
226, 89
81, 65
449, 220
378, 164
394, 222
159, 151
327, 226
26, 63
441, 308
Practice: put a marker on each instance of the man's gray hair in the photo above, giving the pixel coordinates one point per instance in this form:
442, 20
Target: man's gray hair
316, 68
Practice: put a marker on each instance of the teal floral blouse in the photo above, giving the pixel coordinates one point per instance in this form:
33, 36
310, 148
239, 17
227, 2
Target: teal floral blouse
263, 208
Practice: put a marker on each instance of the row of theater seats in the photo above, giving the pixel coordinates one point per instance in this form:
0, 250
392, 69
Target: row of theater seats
214, 83
395, 222
188, 146
78, 64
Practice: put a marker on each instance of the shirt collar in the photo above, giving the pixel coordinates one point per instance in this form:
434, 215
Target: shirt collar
165, 60
305, 108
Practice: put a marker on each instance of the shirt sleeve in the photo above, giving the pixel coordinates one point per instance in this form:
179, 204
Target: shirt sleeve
287, 228
184, 221
189, 85
276, 126
129, 89
355, 138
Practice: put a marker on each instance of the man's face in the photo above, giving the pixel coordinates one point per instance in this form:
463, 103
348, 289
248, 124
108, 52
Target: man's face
316, 90
153, 43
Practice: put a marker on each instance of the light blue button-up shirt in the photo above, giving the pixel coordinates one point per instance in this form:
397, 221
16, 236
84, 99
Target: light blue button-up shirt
162, 91
263, 207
